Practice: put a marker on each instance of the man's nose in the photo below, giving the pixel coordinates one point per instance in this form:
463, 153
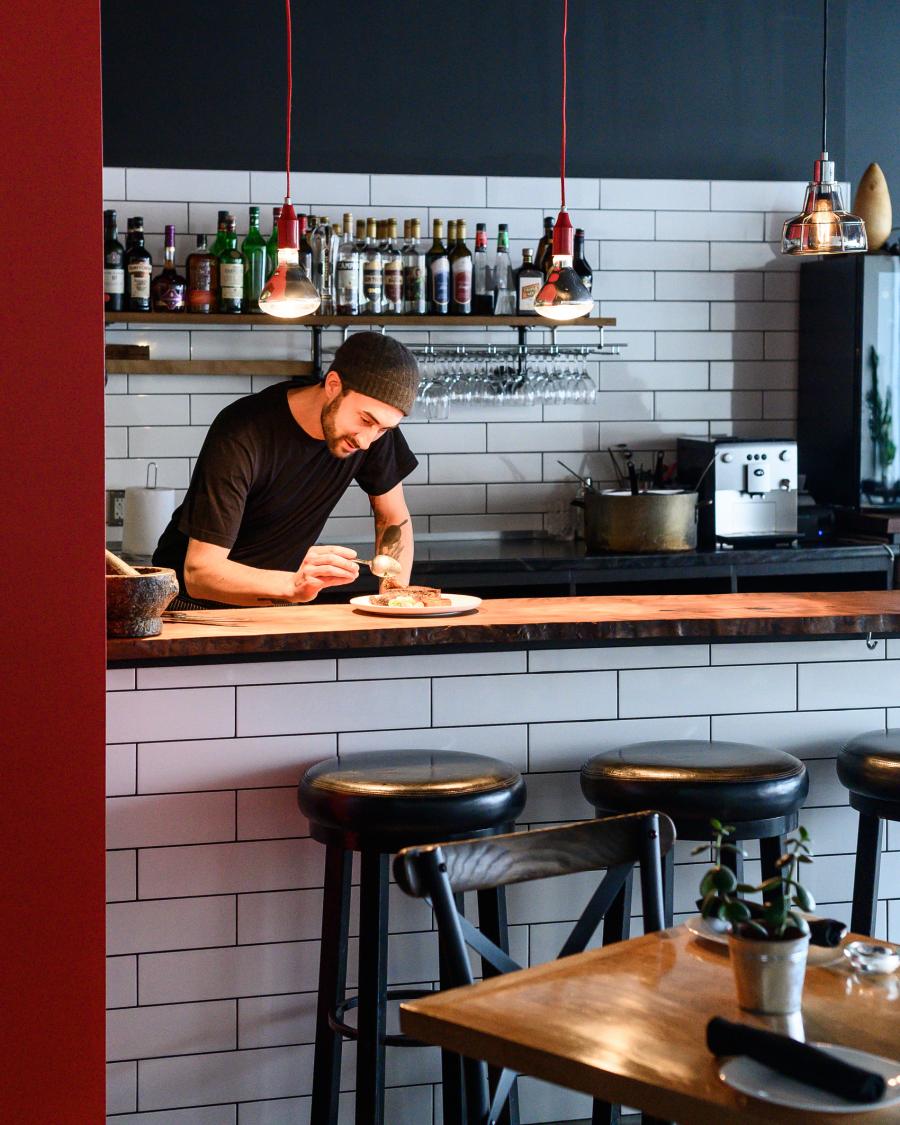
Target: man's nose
363, 440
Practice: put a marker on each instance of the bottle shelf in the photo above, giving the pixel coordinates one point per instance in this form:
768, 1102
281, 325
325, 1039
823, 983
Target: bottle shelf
285, 368
386, 321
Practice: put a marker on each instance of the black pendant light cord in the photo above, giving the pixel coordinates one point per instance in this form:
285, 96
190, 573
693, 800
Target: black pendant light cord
825, 83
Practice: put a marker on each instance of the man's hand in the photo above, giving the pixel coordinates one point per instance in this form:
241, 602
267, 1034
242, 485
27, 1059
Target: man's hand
323, 566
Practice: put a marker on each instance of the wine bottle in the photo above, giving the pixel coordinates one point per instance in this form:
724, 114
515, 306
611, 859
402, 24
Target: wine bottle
504, 282
579, 262
460, 273
529, 280
482, 275
113, 265
347, 272
451, 236
168, 287
219, 241
373, 271
438, 267
272, 244
254, 250
543, 256
415, 298
138, 267
231, 271
393, 272
202, 270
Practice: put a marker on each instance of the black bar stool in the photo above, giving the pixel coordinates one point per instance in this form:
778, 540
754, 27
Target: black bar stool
757, 790
375, 804
869, 766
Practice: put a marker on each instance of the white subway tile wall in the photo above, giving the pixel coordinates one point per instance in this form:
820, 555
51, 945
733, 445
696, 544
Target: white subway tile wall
215, 884
690, 269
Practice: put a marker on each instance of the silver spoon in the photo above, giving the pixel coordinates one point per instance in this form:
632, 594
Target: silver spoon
382, 566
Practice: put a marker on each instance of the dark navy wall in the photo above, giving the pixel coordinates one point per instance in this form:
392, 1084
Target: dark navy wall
658, 88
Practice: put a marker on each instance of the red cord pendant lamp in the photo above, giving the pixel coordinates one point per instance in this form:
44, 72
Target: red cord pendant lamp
563, 296
289, 292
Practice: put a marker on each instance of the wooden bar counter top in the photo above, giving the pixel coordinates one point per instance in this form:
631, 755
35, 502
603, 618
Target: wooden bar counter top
307, 630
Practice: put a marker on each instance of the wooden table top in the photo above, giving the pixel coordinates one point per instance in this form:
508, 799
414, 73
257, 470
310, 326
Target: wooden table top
322, 629
628, 1024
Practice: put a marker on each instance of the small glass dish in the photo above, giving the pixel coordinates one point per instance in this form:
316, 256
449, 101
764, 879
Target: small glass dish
872, 957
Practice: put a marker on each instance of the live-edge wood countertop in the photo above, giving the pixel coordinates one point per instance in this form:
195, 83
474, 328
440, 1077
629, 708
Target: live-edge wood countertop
307, 630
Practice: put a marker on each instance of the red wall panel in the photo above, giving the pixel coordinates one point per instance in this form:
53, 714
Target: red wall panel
51, 714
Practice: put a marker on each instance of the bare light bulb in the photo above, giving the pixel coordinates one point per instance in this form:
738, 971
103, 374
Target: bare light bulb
823, 226
563, 296
289, 293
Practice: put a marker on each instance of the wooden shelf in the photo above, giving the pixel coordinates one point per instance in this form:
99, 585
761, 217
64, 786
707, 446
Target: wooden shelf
189, 320
283, 367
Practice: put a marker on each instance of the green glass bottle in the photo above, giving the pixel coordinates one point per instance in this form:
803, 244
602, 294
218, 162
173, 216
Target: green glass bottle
219, 241
254, 250
272, 244
231, 271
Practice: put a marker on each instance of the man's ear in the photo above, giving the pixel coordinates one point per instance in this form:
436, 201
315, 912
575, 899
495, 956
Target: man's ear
333, 385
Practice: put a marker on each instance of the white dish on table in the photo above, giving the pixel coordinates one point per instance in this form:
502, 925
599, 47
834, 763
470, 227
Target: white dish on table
459, 603
702, 928
759, 1081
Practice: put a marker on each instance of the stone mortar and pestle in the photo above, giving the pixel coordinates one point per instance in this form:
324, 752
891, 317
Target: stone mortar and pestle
136, 597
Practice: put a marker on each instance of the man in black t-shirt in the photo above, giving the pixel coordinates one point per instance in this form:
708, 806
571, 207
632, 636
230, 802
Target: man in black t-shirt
274, 465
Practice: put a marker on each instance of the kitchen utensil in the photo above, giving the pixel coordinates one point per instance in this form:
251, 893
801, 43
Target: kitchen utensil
658, 469
115, 565
134, 603
632, 477
616, 520
382, 566
586, 481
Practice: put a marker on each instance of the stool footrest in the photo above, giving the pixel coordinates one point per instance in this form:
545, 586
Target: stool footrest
336, 1023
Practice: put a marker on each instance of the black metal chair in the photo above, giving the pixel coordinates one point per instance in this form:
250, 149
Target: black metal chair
375, 804
442, 872
869, 766
756, 790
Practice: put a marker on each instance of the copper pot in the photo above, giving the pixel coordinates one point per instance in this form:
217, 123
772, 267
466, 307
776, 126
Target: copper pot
652, 521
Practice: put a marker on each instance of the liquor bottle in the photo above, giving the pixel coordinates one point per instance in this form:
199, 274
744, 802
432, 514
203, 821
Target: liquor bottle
305, 251
460, 273
347, 272
373, 271
407, 223
324, 248
231, 271
438, 275
451, 236
415, 297
580, 263
168, 287
504, 282
113, 265
202, 270
393, 272
138, 267
254, 250
529, 280
272, 244
360, 237
219, 241
543, 256
482, 275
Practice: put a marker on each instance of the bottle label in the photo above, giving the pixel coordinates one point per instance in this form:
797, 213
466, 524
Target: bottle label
170, 297
393, 281
139, 279
462, 281
200, 276
440, 281
114, 281
414, 287
231, 275
373, 281
529, 287
348, 276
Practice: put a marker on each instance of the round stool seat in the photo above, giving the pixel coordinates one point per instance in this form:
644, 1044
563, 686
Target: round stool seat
410, 796
870, 765
696, 780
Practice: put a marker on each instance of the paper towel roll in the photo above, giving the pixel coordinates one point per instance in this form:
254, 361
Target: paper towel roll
147, 513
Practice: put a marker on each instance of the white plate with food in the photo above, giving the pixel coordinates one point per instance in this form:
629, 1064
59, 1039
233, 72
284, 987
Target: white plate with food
716, 931
416, 601
759, 1081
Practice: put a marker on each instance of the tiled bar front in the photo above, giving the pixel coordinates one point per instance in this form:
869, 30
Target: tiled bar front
214, 885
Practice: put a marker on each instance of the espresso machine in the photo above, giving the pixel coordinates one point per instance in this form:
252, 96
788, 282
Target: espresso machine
747, 489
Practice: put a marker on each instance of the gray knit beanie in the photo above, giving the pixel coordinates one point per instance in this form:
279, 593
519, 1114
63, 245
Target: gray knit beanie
379, 367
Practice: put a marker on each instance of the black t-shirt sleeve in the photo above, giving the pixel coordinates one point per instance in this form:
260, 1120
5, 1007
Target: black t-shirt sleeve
214, 505
387, 462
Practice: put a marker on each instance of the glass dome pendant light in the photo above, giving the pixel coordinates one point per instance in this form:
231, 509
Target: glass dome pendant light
563, 296
824, 227
288, 293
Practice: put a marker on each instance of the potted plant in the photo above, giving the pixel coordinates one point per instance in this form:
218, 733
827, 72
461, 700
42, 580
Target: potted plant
768, 937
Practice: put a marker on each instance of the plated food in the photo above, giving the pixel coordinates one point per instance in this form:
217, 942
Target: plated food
398, 596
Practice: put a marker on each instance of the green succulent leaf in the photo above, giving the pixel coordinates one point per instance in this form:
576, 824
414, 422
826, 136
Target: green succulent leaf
737, 912
804, 899
699, 848
745, 888
723, 879
771, 884
803, 834
754, 930
799, 921
707, 883
717, 824
804, 858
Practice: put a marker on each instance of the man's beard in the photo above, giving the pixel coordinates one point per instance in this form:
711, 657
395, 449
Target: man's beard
333, 439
